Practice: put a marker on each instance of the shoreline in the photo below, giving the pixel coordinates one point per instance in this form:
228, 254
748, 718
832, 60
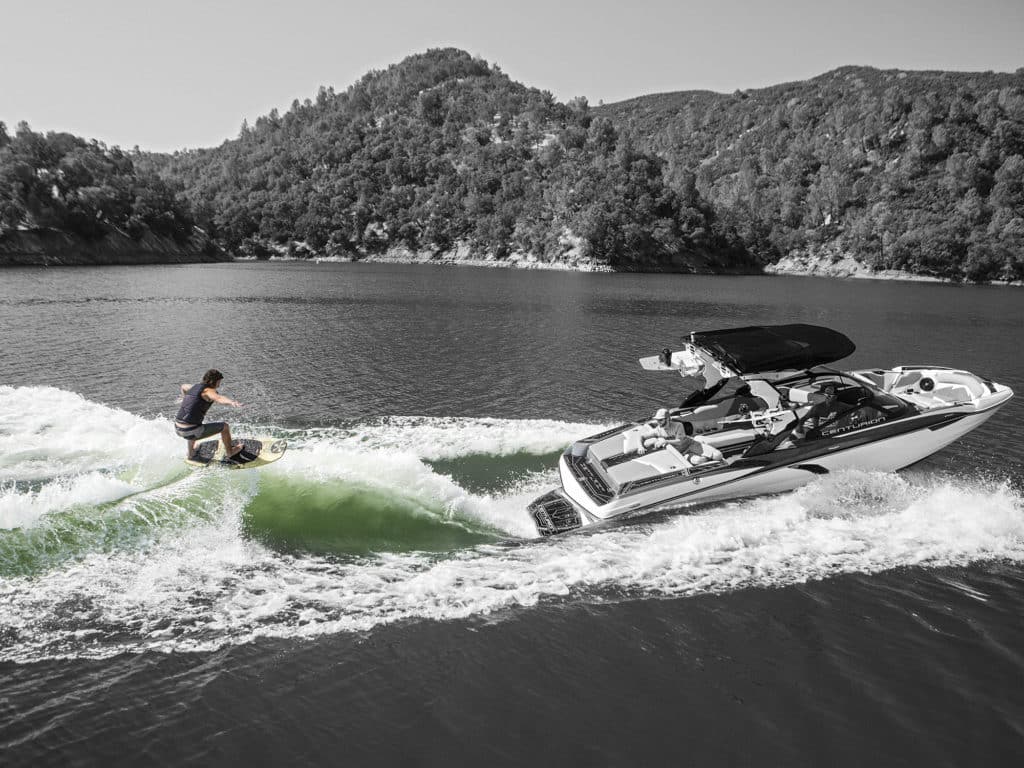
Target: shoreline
771, 270
460, 255
56, 248
49, 248
550, 266
845, 267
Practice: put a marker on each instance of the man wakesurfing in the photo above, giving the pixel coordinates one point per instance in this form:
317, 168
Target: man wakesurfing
196, 401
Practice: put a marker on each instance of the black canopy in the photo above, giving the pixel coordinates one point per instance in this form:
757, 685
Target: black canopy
759, 348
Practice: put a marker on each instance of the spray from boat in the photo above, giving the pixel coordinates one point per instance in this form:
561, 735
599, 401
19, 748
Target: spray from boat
401, 519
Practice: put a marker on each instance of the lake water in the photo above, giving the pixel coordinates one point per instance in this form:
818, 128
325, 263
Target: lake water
378, 596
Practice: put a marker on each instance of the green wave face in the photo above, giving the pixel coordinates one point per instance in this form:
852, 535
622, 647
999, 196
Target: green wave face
135, 522
486, 473
338, 517
286, 514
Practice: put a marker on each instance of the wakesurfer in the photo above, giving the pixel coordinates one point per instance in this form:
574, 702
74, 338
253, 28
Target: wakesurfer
196, 401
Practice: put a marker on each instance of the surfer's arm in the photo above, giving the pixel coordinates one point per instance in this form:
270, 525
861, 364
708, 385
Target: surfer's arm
217, 397
185, 388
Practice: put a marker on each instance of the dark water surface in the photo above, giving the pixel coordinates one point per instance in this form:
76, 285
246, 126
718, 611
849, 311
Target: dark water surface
377, 597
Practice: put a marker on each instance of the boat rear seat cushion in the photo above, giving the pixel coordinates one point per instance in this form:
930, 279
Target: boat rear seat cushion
668, 459
625, 442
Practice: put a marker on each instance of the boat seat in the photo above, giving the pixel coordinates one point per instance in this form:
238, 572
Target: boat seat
939, 397
650, 464
625, 442
957, 393
722, 440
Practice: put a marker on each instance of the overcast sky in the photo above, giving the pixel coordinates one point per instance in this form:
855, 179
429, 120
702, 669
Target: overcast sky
185, 74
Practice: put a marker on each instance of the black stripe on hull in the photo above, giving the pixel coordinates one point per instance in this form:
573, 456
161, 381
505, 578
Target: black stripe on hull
804, 454
828, 446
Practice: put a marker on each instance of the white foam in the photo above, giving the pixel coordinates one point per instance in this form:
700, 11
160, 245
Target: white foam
77, 452
202, 583
23, 508
211, 586
73, 433
446, 438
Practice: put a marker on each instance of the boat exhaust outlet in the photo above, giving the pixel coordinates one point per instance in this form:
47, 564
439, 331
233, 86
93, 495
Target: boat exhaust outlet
553, 513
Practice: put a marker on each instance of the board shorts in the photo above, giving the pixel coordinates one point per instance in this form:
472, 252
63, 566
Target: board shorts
203, 430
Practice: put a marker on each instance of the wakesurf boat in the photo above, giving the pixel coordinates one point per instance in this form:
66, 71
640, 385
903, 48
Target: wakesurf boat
766, 415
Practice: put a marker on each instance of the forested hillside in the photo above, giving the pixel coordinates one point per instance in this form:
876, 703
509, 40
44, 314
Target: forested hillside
444, 150
918, 171
443, 153
61, 182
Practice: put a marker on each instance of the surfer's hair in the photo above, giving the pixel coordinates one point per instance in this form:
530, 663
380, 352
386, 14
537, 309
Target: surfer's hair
211, 377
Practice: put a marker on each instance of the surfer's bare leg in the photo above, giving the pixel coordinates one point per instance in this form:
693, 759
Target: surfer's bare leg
191, 448
230, 448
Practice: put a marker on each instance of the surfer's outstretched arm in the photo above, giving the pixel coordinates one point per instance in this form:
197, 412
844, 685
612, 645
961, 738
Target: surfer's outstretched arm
217, 397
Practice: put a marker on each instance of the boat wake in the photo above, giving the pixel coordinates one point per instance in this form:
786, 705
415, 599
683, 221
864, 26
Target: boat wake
109, 544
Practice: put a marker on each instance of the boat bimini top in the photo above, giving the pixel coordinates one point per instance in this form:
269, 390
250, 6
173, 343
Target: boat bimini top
754, 349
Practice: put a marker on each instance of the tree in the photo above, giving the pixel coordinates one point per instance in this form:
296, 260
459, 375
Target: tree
1008, 191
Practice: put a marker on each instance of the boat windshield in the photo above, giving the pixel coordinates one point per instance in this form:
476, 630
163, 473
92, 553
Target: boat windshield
829, 405
840, 404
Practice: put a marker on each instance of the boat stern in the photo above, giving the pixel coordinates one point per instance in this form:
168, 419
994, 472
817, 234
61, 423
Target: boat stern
555, 513
585, 490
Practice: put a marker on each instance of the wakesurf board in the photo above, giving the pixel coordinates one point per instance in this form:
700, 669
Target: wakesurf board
258, 452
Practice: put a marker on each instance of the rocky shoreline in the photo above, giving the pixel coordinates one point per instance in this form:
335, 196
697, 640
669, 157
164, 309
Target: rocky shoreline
570, 259
836, 264
462, 255
795, 265
35, 248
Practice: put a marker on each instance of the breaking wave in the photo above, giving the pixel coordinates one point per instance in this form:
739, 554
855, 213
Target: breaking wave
108, 543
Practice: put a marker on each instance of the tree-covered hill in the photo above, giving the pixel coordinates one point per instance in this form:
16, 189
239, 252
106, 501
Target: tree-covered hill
443, 153
444, 150
57, 181
919, 171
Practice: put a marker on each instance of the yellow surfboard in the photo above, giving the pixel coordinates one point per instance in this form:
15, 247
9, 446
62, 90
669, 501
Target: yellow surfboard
258, 452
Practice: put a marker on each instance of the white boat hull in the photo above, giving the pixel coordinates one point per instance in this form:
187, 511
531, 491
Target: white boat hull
776, 430
883, 455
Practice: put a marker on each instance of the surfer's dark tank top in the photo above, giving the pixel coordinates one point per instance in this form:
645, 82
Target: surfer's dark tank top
194, 407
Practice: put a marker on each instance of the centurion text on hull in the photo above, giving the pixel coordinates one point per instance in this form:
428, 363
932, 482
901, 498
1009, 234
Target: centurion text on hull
766, 417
